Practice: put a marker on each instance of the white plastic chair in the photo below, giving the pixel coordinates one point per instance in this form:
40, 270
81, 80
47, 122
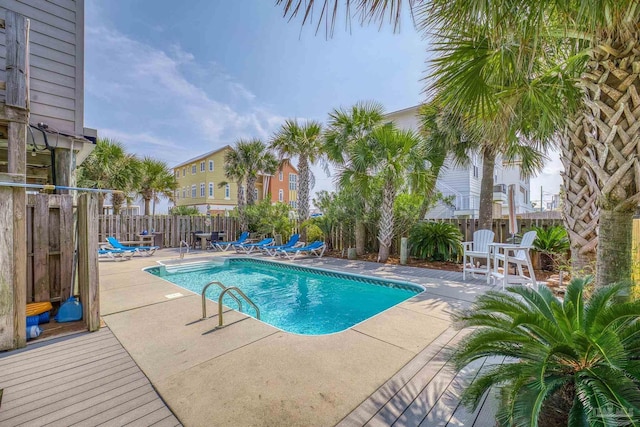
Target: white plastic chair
517, 255
478, 252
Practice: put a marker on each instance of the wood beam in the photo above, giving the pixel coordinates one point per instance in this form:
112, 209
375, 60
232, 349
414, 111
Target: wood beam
17, 43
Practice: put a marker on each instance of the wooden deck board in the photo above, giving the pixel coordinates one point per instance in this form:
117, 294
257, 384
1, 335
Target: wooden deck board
426, 392
87, 379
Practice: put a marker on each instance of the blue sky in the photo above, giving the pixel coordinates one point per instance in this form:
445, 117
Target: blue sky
174, 82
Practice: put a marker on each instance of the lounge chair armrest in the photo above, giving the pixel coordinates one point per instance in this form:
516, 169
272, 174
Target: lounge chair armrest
467, 245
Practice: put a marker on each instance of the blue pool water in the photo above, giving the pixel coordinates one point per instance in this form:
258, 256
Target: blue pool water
295, 299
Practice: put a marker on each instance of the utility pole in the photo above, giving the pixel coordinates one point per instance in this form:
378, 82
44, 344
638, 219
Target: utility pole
541, 198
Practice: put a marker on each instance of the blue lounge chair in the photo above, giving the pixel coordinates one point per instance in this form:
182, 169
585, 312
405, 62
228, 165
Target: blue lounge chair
271, 250
115, 254
247, 248
142, 250
224, 246
316, 248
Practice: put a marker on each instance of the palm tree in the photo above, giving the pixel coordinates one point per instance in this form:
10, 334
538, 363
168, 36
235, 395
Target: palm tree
109, 166
305, 142
398, 158
235, 169
257, 159
568, 363
156, 180
344, 128
597, 41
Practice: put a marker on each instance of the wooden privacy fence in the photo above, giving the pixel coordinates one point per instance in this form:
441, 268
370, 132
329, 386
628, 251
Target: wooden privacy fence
342, 236
174, 228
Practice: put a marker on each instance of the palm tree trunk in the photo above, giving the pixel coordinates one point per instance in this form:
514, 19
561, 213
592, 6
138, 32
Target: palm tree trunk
613, 262
361, 236
579, 208
251, 185
147, 205
117, 200
242, 217
485, 213
611, 156
385, 232
303, 192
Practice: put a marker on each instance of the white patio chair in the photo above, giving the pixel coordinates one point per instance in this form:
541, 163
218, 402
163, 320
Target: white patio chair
476, 256
517, 255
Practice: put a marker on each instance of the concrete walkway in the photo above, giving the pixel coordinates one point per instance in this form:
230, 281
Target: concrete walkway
249, 373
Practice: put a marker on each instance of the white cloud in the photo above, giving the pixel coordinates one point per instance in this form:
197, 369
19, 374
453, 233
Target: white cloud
156, 101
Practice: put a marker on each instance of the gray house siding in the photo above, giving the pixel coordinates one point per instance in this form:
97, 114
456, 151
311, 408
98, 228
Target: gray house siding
56, 61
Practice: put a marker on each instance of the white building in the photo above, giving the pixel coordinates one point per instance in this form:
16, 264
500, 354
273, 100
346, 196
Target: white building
462, 183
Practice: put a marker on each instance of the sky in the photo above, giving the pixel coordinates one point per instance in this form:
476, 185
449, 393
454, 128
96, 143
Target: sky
173, 82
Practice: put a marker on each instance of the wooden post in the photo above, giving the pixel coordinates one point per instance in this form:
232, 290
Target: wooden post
13, 202
88, 278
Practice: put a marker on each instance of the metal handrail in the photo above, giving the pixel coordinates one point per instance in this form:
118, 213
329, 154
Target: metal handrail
180, 249
233, 288
224, 288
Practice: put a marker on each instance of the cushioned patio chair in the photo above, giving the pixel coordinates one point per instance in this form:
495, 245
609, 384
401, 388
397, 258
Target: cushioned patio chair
224, 246
142, 250
271, 250
316, 248
115, 254
517, 255
247, 248
476, 256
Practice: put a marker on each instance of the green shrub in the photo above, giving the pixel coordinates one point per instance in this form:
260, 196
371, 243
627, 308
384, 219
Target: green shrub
436, 241
553, 245
314, 233
184, 210
573, 362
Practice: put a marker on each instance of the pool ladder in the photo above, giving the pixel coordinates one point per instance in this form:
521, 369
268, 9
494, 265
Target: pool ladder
226, 290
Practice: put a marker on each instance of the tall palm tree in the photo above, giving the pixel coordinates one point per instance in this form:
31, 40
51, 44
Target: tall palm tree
235, 169
305, 142
156, 181
599, 40
399, 159
257, 159
345, 128
109, 166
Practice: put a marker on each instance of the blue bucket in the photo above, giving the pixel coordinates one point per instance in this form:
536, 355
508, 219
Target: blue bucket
70, 311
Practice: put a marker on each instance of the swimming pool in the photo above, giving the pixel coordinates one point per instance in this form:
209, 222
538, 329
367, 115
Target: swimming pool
296, 299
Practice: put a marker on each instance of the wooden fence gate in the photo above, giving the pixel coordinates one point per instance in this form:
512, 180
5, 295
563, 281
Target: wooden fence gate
50, 247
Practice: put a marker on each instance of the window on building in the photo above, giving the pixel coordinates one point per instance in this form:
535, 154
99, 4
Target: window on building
193, 191
293, 204
211, 189
281, 176
293, 184
227, 191
475, 171
202, 189
184, 193
210, 165
201, 166
255, 194
193, 169
184, 171
177, 173
281, 195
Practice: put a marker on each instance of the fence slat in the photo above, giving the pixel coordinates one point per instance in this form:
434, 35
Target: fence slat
41, 248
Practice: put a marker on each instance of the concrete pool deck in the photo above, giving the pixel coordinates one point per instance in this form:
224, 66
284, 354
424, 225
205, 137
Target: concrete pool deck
250, 373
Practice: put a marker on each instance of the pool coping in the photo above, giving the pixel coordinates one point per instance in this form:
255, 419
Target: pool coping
378, 336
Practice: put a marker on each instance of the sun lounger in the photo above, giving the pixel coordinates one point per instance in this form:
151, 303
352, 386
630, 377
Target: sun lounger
115, 254
247, 248
142, 250
272, 250
224, 246
316, 248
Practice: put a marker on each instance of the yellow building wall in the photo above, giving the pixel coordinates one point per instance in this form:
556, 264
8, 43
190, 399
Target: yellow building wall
186, 179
